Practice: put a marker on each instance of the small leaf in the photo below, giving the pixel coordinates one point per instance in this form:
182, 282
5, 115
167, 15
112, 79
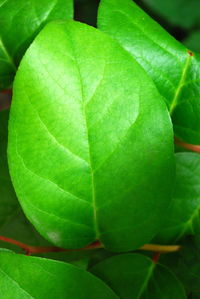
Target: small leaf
90, 144
39, 278
183, 217
174, 69
19, 23
135, 276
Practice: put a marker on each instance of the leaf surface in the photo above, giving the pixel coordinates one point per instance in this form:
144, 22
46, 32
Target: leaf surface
174, 69
91, 141
135, 276
183, 216
39, 278
19, 24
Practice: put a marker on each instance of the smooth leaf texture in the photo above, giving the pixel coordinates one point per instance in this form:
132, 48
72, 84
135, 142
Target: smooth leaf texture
183, 216
181, 13
174, 69
38, 278
90, 144
20, 21
134, 276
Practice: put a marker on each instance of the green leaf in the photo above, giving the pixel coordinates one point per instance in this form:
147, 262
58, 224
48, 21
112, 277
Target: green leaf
174, 69
193, 41
13, 223
39, 278
136, 276
181, 13
90, 145
20, 22
186, 265
183, 217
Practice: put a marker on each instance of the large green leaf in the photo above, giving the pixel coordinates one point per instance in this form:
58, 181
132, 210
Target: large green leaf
183, 217
174, 69
90, 144
20, 21
181, 13
134, 276
39, 278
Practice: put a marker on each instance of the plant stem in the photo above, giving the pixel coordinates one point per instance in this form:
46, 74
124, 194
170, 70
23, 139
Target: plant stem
29, 250
192, 147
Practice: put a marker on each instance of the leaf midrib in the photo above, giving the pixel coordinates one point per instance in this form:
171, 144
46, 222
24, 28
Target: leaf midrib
180, 84
87, 133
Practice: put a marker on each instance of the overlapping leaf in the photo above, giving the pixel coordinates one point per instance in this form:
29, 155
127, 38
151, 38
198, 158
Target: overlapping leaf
135, 276
39, 278
186, 265
183, 217
20, 21
90, 144
174, 69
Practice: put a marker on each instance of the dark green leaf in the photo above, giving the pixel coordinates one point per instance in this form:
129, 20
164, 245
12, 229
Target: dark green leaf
90, 143
134, 276
193, 41
183, 217
186, 266
183, 13
174, 69
39, 278
20, 21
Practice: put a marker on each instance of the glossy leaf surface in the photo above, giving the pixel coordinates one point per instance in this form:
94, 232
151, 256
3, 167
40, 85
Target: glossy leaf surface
183, 217
39, 278
90, 144
134, 276
174, 69
20, 21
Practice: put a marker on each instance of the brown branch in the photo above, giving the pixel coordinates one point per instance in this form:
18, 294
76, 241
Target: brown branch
192, 147
6, 91
29, 250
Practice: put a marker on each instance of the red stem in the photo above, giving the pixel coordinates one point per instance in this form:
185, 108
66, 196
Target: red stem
6, 91
192, 147
29, 250
156, 257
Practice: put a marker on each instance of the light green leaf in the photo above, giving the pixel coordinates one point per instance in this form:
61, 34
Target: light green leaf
20, 21
90, 144
174, 69
135, 276
183, 217
39, 278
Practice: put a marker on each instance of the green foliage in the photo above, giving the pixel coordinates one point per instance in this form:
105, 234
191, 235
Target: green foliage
183, 217
20, 22
42, 278
137, 276
91, 152
183, 13
70, 200
174, 69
